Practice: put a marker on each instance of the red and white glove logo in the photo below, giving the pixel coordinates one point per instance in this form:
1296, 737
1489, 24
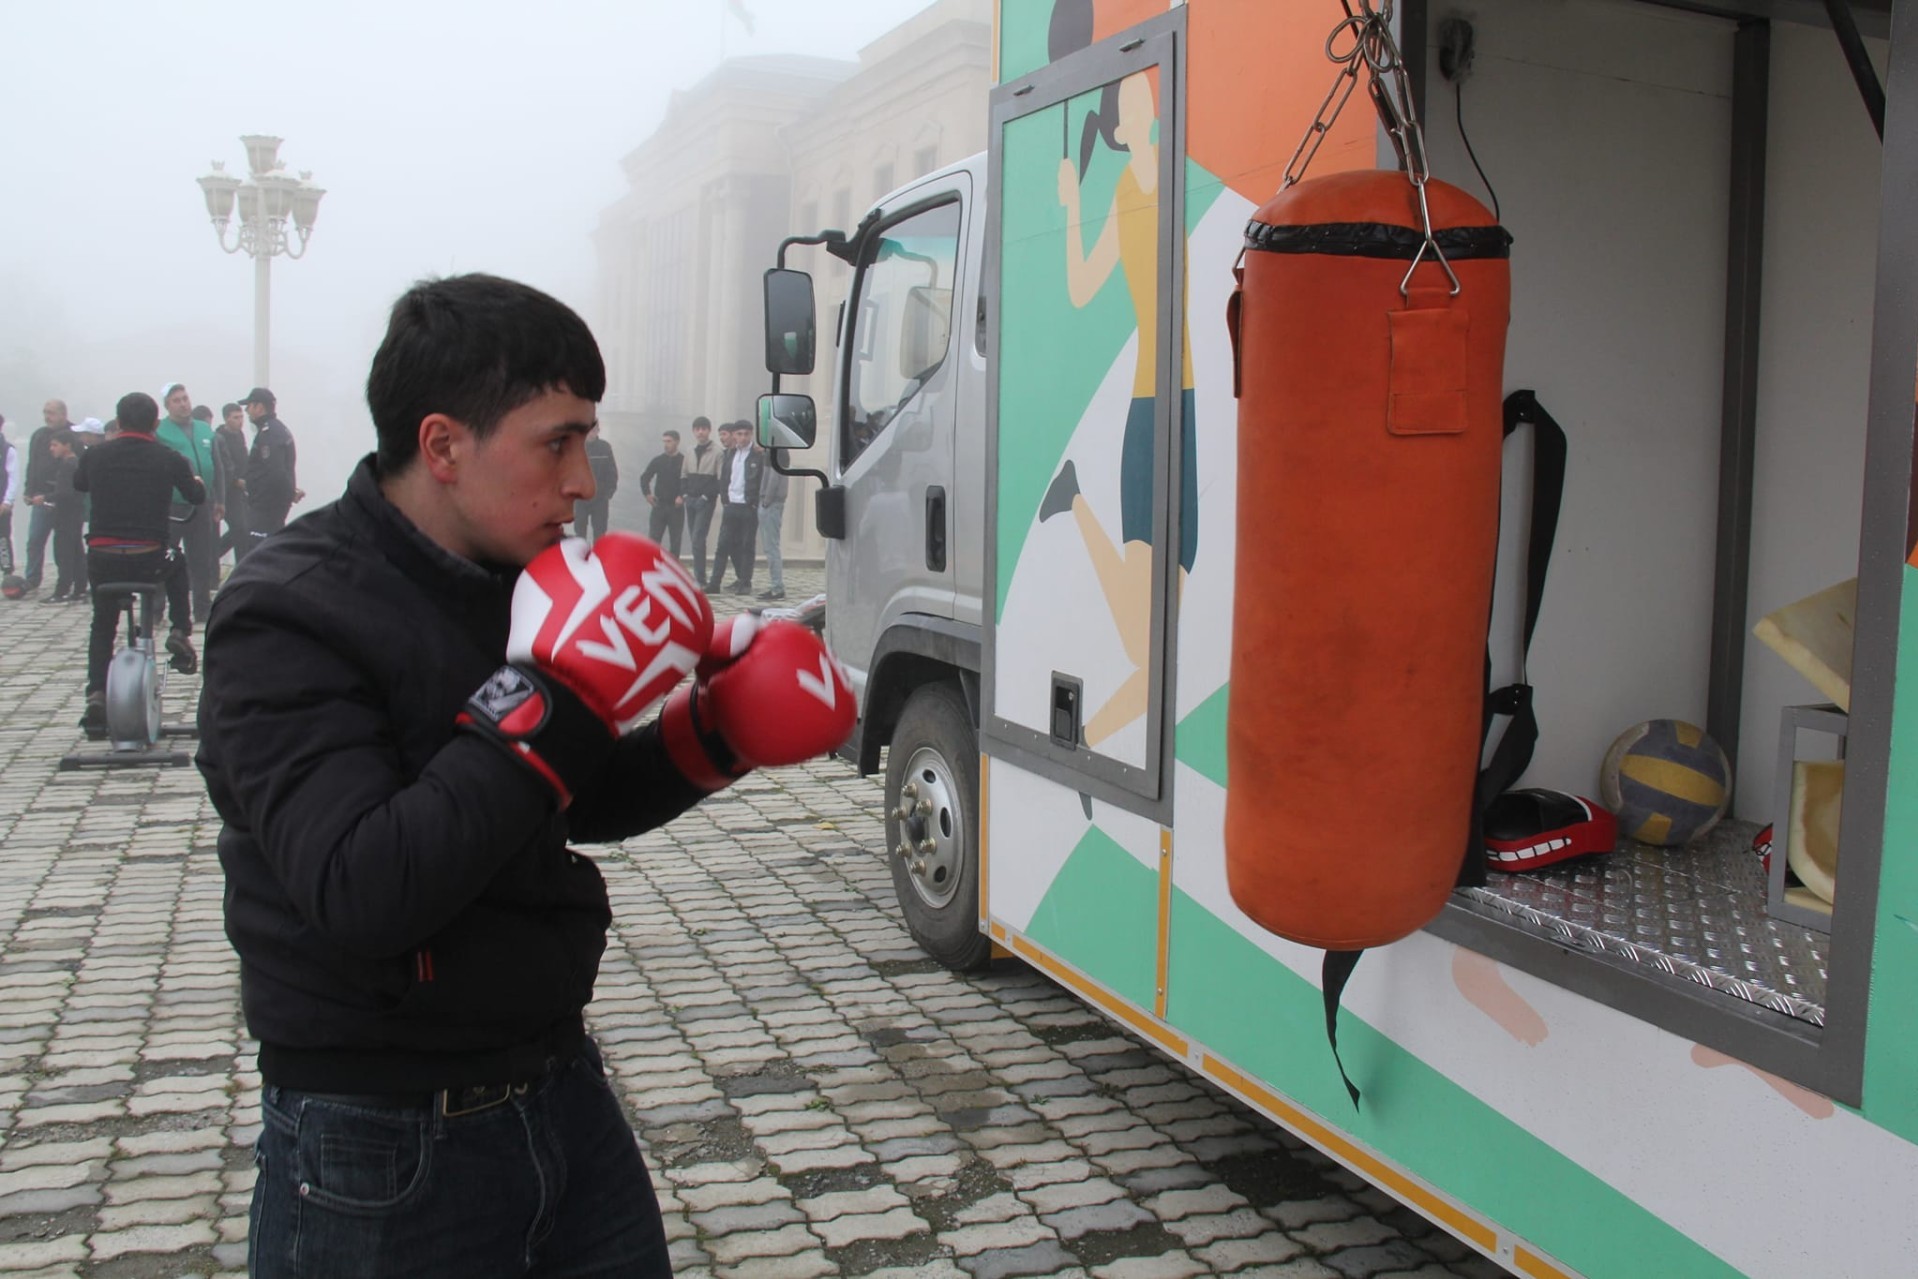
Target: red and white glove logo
620, 622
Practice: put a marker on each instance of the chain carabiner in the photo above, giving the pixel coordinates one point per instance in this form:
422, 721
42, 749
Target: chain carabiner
1373, 47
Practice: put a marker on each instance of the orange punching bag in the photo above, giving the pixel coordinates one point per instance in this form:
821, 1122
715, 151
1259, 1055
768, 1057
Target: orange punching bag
1369, 446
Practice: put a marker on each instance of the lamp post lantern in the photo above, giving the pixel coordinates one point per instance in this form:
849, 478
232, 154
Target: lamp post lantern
266, 202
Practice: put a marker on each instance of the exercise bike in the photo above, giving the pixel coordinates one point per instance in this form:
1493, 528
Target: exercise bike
136, 678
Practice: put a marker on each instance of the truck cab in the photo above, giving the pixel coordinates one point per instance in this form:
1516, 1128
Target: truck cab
903, 512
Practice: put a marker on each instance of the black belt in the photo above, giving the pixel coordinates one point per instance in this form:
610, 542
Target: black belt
448, 1103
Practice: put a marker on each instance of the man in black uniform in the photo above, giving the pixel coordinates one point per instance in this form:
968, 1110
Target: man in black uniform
229, 441
590, 518
417, 943
660, 483
132, 479
69, 521
271, 483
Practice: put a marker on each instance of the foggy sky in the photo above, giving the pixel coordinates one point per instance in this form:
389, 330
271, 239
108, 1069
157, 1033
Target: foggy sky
450, 136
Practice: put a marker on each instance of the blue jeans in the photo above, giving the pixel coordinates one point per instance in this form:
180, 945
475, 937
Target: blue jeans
39, 529
549, 1183
699, 520
772, 520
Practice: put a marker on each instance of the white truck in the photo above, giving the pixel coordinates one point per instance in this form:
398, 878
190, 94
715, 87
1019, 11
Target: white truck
1645, 1064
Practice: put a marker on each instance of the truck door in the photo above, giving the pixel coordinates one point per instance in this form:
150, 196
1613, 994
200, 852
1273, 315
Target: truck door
1091, 524
899, 391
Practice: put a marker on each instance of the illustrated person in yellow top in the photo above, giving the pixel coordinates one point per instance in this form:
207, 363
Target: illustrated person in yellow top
1129, 240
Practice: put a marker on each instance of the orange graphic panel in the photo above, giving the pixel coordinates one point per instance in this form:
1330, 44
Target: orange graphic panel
1257, 72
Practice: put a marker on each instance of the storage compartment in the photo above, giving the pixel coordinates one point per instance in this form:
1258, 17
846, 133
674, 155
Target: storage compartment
1694, 208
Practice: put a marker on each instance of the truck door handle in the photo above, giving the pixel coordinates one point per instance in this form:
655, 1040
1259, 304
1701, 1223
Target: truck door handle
936, 528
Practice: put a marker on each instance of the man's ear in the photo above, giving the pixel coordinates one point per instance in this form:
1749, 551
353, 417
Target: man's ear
445, 444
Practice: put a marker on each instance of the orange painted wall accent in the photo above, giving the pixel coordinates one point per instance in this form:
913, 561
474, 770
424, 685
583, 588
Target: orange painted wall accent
1257, 73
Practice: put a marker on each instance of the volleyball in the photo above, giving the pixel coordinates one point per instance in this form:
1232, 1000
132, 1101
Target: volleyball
1667, 780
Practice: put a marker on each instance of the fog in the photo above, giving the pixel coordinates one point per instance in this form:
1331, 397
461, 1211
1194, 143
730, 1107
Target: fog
479, 135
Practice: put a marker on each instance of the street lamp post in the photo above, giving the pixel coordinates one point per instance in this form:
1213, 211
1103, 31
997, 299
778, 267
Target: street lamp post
266, 202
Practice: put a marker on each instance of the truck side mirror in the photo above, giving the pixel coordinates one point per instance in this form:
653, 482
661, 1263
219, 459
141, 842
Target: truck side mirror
787, 421
790, 326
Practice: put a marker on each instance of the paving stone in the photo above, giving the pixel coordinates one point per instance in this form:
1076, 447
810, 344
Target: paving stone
873, 1199
1356, 1232
1167, 1265
48, 1177
1394, 1254
789, 1241
1046, 1258
741, 1218
805, 1265
1304, 1212
161, 1212
896, 1223
1202, 1229
1233, 1255
41, 1252
731, 1194
117, 1243
1017, 1233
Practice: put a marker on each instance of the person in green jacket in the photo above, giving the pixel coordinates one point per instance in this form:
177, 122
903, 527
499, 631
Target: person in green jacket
192, 439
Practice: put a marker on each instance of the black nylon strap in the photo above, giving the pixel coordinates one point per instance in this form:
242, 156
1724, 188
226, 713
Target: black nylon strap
1332, 978
1513, 754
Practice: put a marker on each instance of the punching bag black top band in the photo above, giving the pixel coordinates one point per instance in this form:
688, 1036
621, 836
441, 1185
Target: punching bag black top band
1377, 240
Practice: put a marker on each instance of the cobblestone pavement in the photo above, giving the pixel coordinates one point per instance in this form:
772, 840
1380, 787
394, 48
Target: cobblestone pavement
815, 1096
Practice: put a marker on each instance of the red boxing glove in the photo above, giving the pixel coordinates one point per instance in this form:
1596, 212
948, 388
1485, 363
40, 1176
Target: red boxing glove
599, 635
768, 694
619, 623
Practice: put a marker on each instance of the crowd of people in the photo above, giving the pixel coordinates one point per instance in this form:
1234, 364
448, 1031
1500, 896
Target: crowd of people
731, 478
157, 494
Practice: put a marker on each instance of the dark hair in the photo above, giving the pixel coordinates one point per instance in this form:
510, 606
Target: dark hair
229, 407
65, 437
202, 413
671, 435
1071, 29
137, 412
474, 347
704, 421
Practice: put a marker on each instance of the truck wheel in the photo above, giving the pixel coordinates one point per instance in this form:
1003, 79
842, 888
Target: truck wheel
932, 826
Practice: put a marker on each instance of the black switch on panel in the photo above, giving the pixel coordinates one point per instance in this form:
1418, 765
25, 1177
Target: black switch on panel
1068, 695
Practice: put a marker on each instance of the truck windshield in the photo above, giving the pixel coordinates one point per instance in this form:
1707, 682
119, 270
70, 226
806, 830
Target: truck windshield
902, 321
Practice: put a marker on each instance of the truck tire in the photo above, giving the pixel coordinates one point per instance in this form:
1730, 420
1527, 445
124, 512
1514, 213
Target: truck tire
932, 826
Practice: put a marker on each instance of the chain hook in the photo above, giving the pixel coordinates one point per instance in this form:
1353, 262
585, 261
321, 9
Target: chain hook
1368, 26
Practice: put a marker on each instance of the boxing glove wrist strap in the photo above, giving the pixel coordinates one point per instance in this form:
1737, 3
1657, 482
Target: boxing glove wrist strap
695, 748
543, 724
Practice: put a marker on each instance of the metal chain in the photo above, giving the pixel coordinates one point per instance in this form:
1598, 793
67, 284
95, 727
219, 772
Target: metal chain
1363, 40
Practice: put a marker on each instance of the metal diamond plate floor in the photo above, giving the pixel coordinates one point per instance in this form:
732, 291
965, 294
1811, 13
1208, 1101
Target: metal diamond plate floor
1695, 913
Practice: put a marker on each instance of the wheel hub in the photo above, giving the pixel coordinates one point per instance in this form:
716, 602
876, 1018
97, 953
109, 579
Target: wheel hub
932, 837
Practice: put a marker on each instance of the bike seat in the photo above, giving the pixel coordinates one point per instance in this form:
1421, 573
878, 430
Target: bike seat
148, 591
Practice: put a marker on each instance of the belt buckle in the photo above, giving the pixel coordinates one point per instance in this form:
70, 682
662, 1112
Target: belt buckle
473, 1098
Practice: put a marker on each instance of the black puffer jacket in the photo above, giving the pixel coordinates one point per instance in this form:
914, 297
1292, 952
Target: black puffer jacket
405, 908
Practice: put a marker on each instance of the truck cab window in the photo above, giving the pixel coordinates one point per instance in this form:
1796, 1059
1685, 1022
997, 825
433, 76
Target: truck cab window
902, 321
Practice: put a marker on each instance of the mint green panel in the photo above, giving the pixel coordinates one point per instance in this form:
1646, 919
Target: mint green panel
1200, 745
1270, 1022
1101, 915
1052, 355
1891, 1041
1022, 37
